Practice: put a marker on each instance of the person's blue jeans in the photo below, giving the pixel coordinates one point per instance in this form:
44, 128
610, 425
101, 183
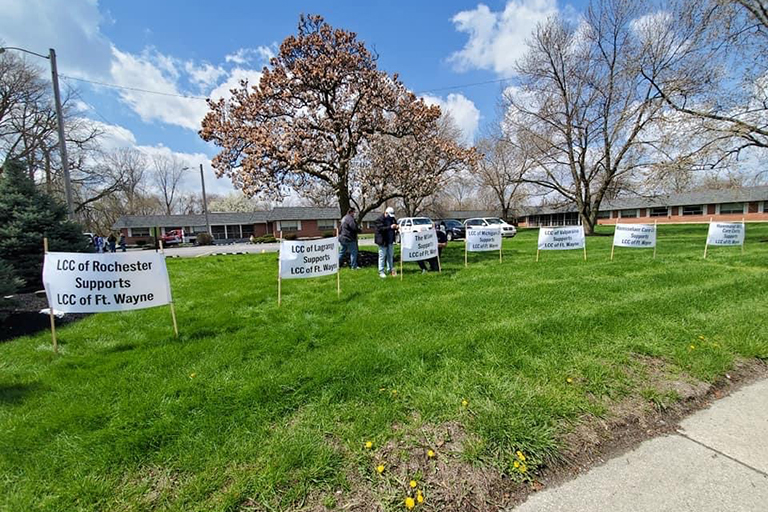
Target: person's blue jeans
386, 258
351, 248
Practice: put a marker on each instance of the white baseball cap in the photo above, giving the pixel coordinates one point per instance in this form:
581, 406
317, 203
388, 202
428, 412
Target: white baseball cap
390, 211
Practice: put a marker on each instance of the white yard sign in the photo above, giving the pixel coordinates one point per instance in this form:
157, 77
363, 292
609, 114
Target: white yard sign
479, 240
311, 258
639, 236
94, 283
561, 238
418, 245
726, 233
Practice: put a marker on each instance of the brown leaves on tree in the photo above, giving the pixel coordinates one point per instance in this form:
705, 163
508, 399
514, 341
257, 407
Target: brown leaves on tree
320, 115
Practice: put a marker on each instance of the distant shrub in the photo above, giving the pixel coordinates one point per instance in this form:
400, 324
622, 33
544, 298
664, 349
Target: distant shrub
9, 284
290, 236
328, 234
265, 239
204, 239
141, 243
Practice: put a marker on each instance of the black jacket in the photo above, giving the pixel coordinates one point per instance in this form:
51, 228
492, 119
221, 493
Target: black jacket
349, 229
385, 235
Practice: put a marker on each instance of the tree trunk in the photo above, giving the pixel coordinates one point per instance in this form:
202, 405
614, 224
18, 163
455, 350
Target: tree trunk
588, 223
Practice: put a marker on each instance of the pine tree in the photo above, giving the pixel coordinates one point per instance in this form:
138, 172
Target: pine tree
26, 216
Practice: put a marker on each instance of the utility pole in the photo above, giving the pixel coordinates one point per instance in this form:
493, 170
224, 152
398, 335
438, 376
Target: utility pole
205, 202
62, 142
59, 121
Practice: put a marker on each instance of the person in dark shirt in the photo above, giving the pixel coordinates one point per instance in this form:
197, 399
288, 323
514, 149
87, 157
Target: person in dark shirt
348, 238
386, 227
442, 241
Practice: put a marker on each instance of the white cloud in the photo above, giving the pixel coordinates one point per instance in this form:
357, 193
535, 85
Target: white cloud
233, 82
247, 55
498, 39
71, 28
463, 111
205, 75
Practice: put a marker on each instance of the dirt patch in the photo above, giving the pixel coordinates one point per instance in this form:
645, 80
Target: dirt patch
449, 483
20, 316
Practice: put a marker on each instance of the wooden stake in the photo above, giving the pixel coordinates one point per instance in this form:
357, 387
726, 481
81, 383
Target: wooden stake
338, 270
655, 237
585, 250
501, 245
401, 256
613, 242
706, 242
50, 309
279, 273
439, 266
465, 250
744, 229
173, 309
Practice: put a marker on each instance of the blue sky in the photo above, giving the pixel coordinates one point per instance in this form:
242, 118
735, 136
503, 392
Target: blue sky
204, 48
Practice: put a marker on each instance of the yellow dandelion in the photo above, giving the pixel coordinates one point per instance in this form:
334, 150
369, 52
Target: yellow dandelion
569, 380
692, 347
413, 484
702, 338
516, 464
382, 389
394, 392
420, 497
409, 503
523, 468
368, 445
430, 454
380, 469
520, 455
464, 402
192, 375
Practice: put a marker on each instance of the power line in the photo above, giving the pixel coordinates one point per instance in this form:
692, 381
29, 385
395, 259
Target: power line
473, 84
136, 89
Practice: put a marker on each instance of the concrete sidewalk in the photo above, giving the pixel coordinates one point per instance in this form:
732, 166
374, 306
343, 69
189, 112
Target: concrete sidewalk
718, 460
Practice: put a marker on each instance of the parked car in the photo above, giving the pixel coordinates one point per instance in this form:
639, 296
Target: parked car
412, 224
454, 229
507, 230
89, 238
174, 236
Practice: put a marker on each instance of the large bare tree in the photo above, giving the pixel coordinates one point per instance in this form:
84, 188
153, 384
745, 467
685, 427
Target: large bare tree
168, 171
500, 171
583, 107
320, 104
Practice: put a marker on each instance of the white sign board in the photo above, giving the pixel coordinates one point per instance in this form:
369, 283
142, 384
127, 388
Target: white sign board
418, 245
310, 258
94, 283
479, 239
639, 236
561, 238
726, 233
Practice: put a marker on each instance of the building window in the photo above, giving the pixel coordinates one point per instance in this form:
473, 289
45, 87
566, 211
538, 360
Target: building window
765, 206
693, 210
199, 229
233, 231
604, 214
289, 225
326, 224
218, 232
628, 214
659, 211
138, 232
727, 208
247, 230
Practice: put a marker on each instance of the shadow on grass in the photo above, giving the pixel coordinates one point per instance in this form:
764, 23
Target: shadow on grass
13, 394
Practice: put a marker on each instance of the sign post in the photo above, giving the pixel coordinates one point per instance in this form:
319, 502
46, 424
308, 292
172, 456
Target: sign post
655, 230
50, 308
338, 272
280, 274
706, 243
173, 309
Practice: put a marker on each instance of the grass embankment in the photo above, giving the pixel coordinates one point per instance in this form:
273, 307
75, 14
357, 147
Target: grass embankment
261, 406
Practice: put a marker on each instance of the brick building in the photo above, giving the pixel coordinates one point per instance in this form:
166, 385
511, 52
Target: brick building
304, 222
750, 204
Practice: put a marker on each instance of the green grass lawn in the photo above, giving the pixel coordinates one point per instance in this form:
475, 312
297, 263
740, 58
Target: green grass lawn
266, 407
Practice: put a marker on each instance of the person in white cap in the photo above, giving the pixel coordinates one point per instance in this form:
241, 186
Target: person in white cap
386, 227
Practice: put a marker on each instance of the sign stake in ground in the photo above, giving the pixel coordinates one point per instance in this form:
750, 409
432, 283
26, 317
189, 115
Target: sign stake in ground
482, 240
634, 236
50, 309
302, 259
173, 309
725, 234
338, 273
655, 230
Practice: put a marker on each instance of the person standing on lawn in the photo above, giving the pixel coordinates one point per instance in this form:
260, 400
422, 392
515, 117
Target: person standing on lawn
442, 241
348, 238
121, 243
112, 240
98, 243
386, 227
